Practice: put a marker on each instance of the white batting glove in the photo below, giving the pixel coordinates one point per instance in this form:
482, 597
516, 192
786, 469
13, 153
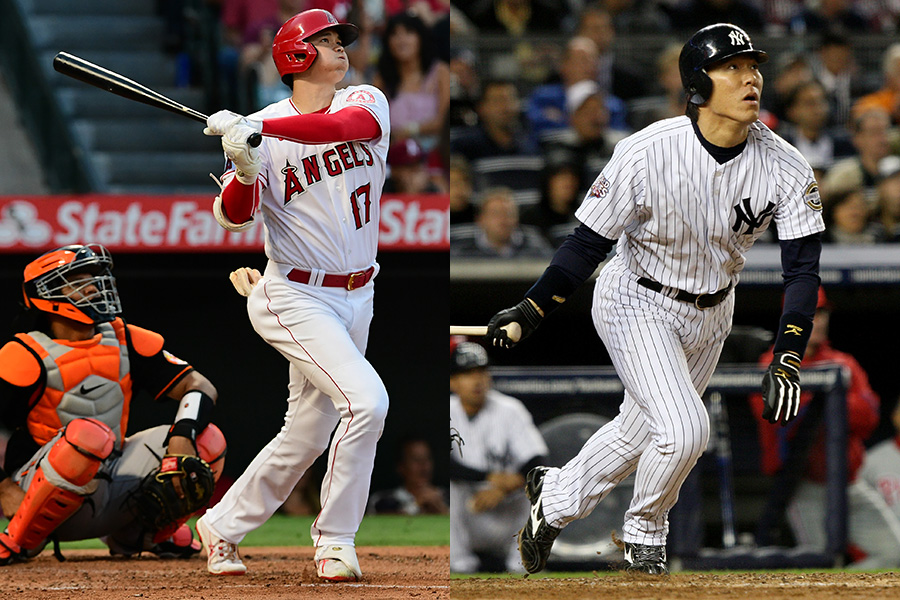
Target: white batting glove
244, 280
245, 157
217, 124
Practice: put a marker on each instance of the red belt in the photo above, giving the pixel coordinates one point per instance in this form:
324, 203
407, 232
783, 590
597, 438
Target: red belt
348, 282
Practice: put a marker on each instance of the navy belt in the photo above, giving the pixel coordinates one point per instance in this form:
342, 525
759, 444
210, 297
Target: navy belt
701, 301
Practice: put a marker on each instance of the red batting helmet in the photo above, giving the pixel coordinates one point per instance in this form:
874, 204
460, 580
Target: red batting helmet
292, 53
48, 286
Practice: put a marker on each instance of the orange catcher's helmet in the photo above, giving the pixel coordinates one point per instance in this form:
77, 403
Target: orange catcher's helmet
292, 53
50, 287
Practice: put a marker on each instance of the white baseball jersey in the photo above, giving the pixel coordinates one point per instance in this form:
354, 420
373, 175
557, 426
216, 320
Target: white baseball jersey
321, 203
688, 220
881, 470
500, 437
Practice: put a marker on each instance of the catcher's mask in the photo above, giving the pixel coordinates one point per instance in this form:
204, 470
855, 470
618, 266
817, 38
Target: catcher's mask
50, 285
291, 50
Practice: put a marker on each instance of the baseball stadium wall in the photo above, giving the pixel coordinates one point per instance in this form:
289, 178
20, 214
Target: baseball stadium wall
172, 263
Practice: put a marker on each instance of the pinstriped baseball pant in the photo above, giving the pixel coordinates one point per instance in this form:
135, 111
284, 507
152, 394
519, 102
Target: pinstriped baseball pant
664, 351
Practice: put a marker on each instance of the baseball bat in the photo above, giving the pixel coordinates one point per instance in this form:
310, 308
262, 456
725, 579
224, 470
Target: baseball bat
97, 76
463, 330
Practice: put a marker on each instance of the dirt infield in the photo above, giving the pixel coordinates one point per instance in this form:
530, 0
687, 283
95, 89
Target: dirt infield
693, 586
388, 572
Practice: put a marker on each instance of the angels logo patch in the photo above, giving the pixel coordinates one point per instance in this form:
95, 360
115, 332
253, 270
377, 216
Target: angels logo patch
600, 187
811, 196
361, 97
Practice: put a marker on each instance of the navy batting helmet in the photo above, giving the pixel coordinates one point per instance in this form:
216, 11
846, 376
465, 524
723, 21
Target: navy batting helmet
711, 45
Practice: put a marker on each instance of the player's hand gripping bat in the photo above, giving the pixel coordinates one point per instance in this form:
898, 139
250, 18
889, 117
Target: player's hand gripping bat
97, 76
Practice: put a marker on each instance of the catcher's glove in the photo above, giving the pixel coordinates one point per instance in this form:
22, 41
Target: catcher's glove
158, 501
781, 388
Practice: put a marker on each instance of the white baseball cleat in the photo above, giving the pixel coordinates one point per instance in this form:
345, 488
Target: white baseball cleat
222, 557
337, 563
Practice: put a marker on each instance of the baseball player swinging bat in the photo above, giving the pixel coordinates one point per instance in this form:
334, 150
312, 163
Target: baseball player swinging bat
97, 76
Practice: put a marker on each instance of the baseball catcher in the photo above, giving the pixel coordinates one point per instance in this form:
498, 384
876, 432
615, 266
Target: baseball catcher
66, 383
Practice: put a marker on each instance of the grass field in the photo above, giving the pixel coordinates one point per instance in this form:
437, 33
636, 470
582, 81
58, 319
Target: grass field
376, 530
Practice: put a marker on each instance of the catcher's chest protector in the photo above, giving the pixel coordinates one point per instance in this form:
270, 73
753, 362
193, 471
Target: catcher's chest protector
84, 379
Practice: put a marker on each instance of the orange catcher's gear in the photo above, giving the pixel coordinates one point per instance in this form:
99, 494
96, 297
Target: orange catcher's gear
291, 51
62, 480
50, 287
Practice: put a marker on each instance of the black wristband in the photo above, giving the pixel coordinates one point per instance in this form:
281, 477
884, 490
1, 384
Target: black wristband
197, 404
531, 314
793, 334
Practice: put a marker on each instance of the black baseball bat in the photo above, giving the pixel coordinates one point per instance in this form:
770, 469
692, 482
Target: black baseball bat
97, 76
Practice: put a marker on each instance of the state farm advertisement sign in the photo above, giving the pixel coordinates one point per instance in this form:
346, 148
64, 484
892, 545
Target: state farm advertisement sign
186, 224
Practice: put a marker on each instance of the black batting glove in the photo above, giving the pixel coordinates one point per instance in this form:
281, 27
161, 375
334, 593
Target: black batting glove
524, 313
781, 388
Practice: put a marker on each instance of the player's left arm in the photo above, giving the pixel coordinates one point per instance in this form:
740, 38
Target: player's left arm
781, 383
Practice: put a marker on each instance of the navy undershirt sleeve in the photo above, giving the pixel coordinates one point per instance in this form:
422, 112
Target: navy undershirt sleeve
800, 266
574, 261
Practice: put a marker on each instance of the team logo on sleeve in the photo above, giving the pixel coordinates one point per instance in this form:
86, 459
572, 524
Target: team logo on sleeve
811, 196
600, 188
361, 97
172, 358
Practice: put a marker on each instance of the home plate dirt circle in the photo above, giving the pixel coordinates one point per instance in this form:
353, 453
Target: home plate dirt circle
388, 572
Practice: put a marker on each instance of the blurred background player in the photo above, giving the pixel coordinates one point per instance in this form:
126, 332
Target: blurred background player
417, 494
487, 474
66, 384
872, 531
881, 467
317, 179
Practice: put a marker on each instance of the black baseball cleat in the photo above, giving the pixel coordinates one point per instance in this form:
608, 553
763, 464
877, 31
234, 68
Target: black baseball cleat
646, 559
536, 538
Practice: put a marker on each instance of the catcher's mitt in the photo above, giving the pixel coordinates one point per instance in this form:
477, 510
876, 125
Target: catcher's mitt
157, 501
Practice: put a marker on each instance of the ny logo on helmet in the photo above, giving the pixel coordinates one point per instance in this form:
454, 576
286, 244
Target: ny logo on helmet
737, 38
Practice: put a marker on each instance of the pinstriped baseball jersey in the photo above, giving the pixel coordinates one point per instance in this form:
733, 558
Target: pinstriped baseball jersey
688, 220
500, 437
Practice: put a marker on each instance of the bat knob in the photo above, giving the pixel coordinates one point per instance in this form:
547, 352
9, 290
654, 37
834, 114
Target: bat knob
255, 140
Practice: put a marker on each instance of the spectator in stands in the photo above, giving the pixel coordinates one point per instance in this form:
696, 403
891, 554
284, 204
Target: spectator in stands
547, 104
615, 77
417, 494
846, 216
409, 170
671, 103
805, 127
637, 16
870, 138
868, 528
415, 82
888, 216
833, 65
822, 15
561, 193
694, 14
587, 137
497, 232
881, 469
513, 17
499, 131
487, 505
464, 88
461, 208
888, 97
791, 70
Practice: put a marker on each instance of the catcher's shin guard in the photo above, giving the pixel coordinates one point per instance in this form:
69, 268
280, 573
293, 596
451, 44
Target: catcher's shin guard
61, 481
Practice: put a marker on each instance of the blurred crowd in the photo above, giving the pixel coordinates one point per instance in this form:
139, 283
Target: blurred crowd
403, 49
540, 95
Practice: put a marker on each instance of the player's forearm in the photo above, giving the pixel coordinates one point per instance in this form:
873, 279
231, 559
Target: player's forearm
239, 201
348, 125
800, 262
575, 260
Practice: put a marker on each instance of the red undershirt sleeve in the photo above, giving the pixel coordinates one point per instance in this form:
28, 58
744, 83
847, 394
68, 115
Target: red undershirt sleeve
240, 201
350, 124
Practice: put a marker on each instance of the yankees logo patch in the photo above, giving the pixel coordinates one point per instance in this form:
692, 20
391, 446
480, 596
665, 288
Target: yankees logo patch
743, 214
811, 196
361, 97
600, 187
